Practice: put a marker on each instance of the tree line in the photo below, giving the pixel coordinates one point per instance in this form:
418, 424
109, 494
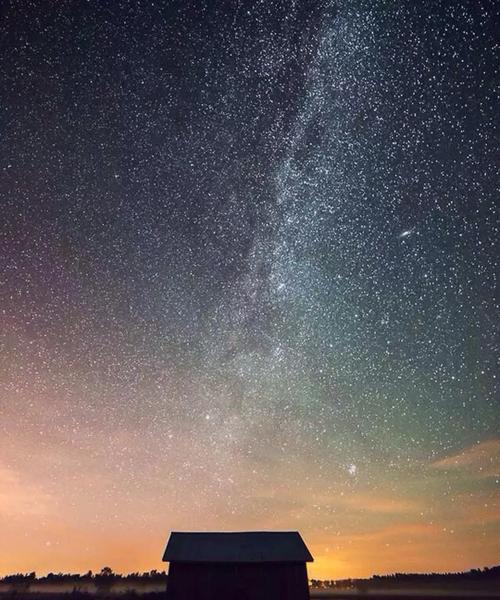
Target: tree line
486, 575
105, 575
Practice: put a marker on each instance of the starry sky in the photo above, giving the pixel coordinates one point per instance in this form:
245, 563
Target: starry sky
247, 269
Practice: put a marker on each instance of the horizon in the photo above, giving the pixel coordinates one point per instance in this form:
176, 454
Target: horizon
248, 258
165, 572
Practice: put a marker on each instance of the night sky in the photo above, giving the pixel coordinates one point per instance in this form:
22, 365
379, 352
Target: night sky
247, 270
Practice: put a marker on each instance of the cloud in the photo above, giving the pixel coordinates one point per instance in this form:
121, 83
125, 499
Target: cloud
19, 498
481, 459
380, 504
479, 508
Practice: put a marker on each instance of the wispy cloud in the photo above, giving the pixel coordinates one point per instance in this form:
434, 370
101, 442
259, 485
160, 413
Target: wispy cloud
380, 504
19, 498
481, 459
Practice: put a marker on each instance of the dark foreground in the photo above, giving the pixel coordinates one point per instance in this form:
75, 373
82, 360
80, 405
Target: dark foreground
323, 594
409, 595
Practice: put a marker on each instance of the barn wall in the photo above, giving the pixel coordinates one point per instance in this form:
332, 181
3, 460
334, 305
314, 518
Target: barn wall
236, 581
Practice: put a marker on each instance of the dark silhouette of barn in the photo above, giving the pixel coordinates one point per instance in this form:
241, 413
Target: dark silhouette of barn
253, 565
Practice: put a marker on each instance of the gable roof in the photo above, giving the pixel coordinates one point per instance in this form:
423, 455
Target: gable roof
241, 546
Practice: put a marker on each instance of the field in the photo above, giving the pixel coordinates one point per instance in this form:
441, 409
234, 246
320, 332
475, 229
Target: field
320, 594
406, 595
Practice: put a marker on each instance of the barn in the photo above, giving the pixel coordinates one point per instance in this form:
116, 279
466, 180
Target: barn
250, 565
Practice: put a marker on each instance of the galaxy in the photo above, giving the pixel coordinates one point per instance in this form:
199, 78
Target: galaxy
247, 280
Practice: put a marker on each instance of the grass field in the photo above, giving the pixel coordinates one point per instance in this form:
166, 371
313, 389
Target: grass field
320, 594
406, 595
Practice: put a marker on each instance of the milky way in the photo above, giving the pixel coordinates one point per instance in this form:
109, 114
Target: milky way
247, 280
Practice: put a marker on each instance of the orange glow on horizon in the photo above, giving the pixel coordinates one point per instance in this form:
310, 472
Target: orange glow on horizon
48, 524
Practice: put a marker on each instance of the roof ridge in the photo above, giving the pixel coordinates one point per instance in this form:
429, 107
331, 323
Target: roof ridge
236, 546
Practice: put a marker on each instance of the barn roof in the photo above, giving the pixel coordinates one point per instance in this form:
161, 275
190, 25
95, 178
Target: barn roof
241, 546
